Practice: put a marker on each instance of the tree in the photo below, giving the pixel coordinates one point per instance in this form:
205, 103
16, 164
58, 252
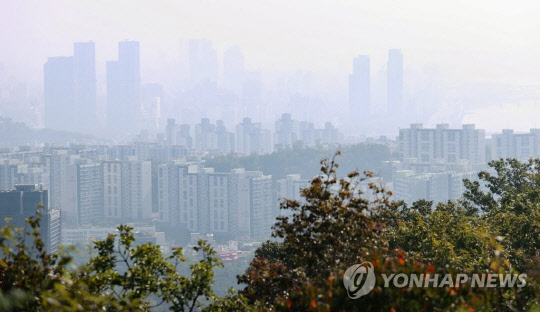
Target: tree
31, 279
448, 235
510, 200
122, 276
140, 273
336, 226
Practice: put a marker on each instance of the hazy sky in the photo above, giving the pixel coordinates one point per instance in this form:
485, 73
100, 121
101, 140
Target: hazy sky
489, 41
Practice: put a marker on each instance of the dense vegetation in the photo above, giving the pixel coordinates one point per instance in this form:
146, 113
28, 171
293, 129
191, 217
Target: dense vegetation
495, 229
21, 134
305, 161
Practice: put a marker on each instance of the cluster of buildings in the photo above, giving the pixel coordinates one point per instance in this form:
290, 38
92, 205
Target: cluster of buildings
249, 137
88, 189
442, 144
360, 85
70, 97
515, 145
91, 189
435, 161
128, 105
238, 204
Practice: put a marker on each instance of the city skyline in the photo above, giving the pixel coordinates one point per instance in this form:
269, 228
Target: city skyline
450, 74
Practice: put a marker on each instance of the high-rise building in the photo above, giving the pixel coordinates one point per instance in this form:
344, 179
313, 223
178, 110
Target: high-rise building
59, 93
203, 63
171, 132
124, 88
89, 193
238, 203
287, 131
22, 202
225, 139
360, 87
205, 138
136, 190
127, 189
244, 131
84, 62
184, 136
437, 187
261, 214
233, 70
62, 183
394, 82
70, 89
515, 145
151, 102
442, 144
112, 189
8, 173
250, 138
290, 188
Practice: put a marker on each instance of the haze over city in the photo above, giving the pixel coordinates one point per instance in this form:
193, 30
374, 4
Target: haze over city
256, 155
463, 62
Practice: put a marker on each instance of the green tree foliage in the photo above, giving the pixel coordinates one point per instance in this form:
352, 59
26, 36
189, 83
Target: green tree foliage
447, 235
493, 230
122, 276
305, 161
31, 279
510, 199
336, 226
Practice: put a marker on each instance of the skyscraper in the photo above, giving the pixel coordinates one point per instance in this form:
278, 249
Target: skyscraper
124, 87
394, 81
360, 86
89, 193
21, 203
203, 63
171, 132
233, 70
84, 62
70, 89
59, 93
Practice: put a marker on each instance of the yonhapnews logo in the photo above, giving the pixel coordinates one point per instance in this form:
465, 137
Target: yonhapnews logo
360, 279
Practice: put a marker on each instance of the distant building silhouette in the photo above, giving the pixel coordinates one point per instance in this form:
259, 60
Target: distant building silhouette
233, 70
70, 89
287, 131
84, 61
178, 134
59, 92
203, 63
124, 87
394, 81
360, 87
151, 102
250, 138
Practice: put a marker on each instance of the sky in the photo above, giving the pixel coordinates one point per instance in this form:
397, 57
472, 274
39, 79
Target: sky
469, 41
